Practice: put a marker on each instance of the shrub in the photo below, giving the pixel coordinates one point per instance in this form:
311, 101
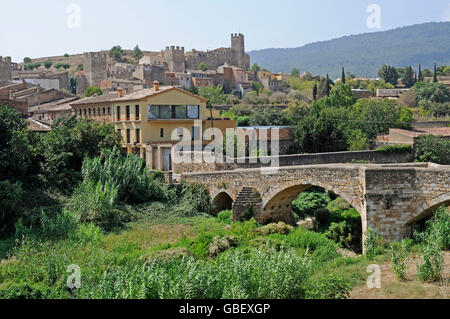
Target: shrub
243, 121
338, 205
433, 239
280, 228
389, 149
234, 274
319, 245
328, 287
430, 148
221, 244
10, 200
322, 216
96, 203
126, 173
195, 199
225, 216
371, 243
307, 202
400, 261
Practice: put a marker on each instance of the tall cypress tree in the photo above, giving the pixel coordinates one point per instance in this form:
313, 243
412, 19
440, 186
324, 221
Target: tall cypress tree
415, 77
328, 85
408, 78
343, 76
435, 74
420, 73
315, 91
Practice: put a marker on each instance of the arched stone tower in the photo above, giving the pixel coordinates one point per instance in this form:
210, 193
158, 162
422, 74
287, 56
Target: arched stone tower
238, 56
174, 56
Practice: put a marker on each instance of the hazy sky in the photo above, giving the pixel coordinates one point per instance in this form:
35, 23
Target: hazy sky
39, 28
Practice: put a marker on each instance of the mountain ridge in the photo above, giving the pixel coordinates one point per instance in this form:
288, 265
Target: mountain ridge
363, 54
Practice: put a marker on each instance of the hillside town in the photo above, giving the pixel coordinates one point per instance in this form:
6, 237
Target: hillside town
205, 160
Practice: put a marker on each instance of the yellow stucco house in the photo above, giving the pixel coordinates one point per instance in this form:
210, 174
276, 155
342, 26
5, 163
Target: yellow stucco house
147, 119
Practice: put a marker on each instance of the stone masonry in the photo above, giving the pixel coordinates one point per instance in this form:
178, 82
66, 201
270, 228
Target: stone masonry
390, 198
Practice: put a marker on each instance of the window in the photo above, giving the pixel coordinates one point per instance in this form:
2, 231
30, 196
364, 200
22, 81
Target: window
109, 110
85, 112
193, 111
161, 132
127, 117
118, 113
104, 111
180, 112
137, 112
153, 112
173, 112
165, 111
93, 111
138, 135
89, 111
128, 135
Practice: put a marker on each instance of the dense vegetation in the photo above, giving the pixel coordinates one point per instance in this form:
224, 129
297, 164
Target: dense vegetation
424, 44
134, 236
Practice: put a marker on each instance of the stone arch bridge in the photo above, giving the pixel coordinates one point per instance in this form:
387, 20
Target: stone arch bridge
390, 198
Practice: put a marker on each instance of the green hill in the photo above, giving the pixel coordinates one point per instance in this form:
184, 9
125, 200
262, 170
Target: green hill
364, 54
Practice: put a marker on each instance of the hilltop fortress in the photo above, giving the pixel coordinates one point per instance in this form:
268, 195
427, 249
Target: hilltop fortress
177, 60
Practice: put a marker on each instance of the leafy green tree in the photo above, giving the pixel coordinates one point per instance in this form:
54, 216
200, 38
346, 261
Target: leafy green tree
427, 73
214, 94
66, 55
341, 95
48, 64
408, 78
388, 74
80, 67
315, 91
267, 116
66, 66
433, 92
18, 157
91, 90
430, 148
137, 53
26, 60
68, 143
435, 79
255, 68
116, 53
421, 75
257, 86
308, 202
295, 72
202, 66
59, 65
343, 76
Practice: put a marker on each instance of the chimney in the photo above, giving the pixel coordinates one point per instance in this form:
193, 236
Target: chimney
156, 86
119, 92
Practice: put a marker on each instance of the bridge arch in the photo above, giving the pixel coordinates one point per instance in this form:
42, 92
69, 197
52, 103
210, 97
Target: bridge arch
289, 191
277, 205
427, 209
221, 200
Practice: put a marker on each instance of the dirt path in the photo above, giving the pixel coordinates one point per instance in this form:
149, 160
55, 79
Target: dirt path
412, 288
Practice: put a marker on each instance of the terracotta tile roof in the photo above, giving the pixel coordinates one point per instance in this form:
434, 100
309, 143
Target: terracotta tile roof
142, 94
37, 126
108, 97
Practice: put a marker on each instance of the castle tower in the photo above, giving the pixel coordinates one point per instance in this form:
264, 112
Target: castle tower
94, 66
5, 68
174, 57
238, 50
